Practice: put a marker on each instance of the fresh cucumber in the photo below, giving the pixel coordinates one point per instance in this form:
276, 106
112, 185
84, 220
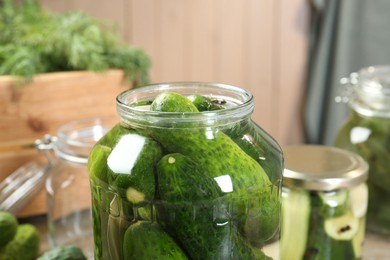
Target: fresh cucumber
193, 211
24, 246
69, 252
145, 240
8, 227
295, 223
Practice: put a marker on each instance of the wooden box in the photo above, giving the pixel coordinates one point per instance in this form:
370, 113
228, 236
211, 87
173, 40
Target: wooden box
29, 111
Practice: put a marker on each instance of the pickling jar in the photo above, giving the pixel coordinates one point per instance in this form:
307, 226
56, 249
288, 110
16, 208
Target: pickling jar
199, 184
69, 213
324, 203
367, 132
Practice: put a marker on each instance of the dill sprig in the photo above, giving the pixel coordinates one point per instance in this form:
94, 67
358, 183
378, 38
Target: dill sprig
34, 40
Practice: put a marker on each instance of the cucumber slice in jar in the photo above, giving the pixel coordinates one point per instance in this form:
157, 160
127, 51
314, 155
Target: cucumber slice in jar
344, 227
359, 200
295, 223
357, 241
334, 203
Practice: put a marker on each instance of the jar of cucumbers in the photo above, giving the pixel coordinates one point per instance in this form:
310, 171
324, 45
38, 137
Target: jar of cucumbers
367, 132
186, 174
324, 203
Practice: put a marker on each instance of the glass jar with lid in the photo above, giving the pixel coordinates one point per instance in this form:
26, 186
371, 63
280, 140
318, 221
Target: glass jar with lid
186, 174
367, 133
324, 203
67, 182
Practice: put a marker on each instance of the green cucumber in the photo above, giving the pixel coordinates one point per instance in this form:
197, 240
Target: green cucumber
295, 223
172, 102
238, 175
97, 162
131, 167
8, 227
195, 213
70, 252
203, 103
334, 203
329, 238
146, 240
24, 245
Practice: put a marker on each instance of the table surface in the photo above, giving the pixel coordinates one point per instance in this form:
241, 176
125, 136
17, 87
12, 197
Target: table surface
375, 247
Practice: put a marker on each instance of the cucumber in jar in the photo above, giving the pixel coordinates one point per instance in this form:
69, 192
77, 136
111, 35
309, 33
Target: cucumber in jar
120, 164
323, 225
331, 232
194, 211
130, 165
145, 240
227, 163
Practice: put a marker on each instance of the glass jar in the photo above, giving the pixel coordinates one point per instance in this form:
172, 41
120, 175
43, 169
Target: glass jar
67, 183
324, 202
186, 185
367, 132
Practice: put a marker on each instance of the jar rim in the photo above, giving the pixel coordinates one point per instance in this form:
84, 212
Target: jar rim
322, 168
371, 91
240, 97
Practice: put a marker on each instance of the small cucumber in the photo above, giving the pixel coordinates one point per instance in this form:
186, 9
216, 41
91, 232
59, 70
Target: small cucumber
24, 245
145, 240
172, 102
70, 252
295, 223
203, 103
8, 227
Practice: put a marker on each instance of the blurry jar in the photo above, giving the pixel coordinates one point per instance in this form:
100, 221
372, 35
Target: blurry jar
186, 185
324, 202
67, 183
367, 132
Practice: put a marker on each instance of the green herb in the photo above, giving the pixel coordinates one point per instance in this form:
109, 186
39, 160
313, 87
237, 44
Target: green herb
34, 40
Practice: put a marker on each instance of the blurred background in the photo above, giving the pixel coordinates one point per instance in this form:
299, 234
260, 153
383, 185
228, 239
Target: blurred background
258, 45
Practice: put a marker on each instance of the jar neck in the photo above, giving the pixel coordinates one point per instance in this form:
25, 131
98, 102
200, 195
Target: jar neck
238, 105
370, 94
75, 140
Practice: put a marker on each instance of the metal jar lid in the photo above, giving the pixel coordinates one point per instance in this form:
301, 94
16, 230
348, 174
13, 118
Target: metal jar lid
322, 168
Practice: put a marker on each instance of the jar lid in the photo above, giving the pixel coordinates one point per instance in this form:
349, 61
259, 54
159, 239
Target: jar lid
323, 168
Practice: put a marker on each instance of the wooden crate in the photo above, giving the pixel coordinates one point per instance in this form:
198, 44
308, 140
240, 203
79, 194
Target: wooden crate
28, 112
